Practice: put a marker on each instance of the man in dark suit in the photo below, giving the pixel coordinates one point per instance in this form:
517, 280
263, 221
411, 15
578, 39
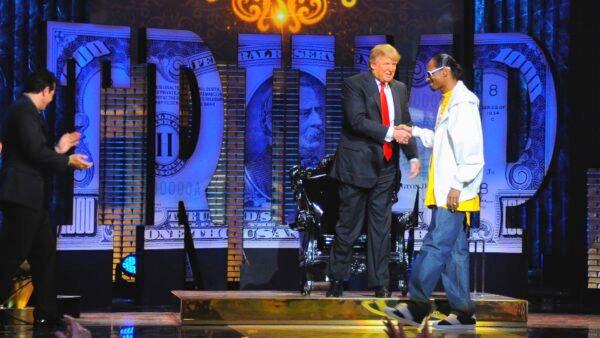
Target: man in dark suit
367, 167
28, 162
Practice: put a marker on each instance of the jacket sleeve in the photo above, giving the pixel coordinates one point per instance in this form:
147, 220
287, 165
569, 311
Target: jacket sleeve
410, 150
33, 145
355, 112
466, 138
425, 135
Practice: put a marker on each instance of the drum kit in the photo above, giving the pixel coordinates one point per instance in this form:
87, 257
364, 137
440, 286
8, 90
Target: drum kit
317, 201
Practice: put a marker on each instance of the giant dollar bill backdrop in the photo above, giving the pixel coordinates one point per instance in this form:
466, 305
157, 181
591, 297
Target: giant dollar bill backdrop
313, 56
88, 45
260, 55
186, 176
505, 184
179, 177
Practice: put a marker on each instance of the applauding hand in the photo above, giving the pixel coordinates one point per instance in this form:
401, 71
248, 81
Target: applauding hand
78, 161
67, 141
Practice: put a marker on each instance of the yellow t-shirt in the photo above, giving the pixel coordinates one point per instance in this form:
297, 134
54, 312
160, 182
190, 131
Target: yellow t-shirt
465, 206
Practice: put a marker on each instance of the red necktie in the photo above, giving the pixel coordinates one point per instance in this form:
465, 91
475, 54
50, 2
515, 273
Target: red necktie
385, 119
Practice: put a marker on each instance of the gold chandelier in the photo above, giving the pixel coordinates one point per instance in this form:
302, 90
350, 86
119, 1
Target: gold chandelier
288, 15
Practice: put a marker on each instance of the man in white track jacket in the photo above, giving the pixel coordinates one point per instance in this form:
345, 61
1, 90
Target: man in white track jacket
455, 174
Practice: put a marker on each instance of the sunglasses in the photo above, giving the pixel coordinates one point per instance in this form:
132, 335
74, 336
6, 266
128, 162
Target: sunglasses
431, 72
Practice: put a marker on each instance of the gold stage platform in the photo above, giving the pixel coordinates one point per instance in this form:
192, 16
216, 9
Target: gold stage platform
355, 308
17, 316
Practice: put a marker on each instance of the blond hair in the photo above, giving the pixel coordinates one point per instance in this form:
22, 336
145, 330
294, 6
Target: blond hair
386, 50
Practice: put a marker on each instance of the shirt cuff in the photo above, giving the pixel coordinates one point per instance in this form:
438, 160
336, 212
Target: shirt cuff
413, 160
416, 131
457, 185
389, 137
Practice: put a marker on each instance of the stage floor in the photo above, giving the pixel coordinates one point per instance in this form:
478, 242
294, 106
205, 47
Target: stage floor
288, 314
354, 308
167, 324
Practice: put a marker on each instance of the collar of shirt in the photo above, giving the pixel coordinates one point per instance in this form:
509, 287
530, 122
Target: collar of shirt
33, 103
387, 85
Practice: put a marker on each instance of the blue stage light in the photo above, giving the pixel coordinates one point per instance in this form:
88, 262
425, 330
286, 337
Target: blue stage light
127, 331
129, 264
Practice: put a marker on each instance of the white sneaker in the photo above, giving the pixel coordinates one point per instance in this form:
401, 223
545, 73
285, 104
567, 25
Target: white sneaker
454, 322
402, 314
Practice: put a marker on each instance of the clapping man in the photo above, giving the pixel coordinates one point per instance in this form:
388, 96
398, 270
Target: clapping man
28, 162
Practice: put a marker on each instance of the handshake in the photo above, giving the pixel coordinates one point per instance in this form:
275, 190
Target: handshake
402, 133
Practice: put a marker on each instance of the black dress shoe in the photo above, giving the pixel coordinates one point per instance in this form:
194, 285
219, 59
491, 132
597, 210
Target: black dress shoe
336, 289
382, 292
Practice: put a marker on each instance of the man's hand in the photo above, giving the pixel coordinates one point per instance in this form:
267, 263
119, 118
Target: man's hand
415, 169
452, 201
401, 136
73, 330
404, 127
78, 161
67, 141
393, 331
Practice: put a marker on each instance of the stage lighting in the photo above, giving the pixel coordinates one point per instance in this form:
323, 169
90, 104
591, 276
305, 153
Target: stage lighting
127, 332
128, 265
281, 16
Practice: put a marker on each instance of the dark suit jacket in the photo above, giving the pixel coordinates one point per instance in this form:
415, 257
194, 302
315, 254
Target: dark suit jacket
27, 159
359, 156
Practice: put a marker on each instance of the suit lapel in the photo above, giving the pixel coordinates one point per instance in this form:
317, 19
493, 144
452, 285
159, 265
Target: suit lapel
373, 91
397, 106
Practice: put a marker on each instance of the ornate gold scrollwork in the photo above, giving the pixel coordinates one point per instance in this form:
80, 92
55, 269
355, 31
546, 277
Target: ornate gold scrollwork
291, 15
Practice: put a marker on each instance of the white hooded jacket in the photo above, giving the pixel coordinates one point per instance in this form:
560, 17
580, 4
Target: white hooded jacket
457, 147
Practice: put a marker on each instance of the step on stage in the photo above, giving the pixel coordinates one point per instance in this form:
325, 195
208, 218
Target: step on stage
355, 308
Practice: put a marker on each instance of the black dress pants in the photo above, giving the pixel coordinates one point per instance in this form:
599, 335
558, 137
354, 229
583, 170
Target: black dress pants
25, 233
373, 208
